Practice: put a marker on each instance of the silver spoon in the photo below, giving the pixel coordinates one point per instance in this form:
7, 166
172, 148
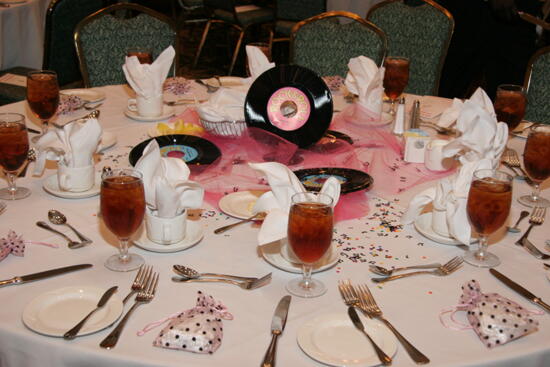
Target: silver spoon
257, 216
387, 272
92, 115
56, 217
72, 244
209, 88
190, 273
522, 215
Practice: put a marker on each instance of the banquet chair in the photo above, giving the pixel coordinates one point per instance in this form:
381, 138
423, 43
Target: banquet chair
240, 18
324, 45
420, 33
103, 38
537, 84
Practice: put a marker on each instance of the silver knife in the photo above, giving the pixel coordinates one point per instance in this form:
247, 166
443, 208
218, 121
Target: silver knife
277, 326
43, 274
382, 356
71, 334
518, 288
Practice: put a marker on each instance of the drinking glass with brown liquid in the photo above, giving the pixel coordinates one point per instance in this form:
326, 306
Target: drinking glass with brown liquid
536, 159
144, 55
43, 96
510, 104
396, 78
14, 147
488, 206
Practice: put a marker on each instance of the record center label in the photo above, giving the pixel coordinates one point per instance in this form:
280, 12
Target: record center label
184, 152
288, 108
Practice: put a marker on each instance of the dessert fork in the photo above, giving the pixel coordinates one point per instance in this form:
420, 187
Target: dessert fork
510, 159
536, 219
138, 284
443, 270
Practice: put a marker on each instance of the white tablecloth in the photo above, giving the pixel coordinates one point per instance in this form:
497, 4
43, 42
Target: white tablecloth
413, 305
22, 34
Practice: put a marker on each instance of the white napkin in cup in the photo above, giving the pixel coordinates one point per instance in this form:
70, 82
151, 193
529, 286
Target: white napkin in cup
75, 143
258, 62
276, 203
166, 184
480, 98
147, 80
224, 105
365, 79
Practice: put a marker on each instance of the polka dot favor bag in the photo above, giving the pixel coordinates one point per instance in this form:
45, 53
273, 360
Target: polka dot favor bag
198, 330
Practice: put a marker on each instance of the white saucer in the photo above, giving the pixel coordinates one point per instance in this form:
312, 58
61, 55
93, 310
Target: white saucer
194, 234
167, 112
271, 253
332, 339
423, 225
239, 204
89, 95
108, 139
50, 185
55, 312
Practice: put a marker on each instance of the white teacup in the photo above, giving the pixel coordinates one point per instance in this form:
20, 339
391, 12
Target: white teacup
75, 179
433, 156
146, 107
165, 231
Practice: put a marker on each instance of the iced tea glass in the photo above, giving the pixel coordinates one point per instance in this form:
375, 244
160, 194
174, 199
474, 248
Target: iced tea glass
510, 104
396, 78
145, 56
488, 206
122, 203
310, 226
14, 147
536, 159
43, 96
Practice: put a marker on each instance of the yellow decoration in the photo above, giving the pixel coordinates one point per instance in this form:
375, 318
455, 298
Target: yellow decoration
180, 127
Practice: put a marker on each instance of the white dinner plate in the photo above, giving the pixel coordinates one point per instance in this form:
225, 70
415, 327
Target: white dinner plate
522, 130
108, 139
50, 185
271, 253
55, 312
193, 236
167, 112
423, 225
89, 95
239, 204
333, 339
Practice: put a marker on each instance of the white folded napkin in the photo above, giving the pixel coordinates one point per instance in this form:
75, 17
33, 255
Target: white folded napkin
365, 79
276, 203
147, 80
224, 105
75, 143
479, 146
257, 62
480, 98
166, 184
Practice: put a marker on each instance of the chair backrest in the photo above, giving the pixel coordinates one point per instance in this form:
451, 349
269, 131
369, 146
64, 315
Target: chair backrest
537, 83
420, 33
103, 38
59, 51
324, 45
299, 10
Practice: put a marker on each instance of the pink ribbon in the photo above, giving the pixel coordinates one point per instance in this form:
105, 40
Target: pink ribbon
14, 244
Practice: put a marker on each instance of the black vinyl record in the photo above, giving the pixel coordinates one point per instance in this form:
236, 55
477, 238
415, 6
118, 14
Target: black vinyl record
350, 179
292, 102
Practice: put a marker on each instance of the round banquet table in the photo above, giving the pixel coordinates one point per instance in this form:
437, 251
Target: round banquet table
413, 305
22, 34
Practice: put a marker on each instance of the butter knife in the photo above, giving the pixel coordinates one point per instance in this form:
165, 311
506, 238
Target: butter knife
43, 274
519, 289
277, 326
384, 358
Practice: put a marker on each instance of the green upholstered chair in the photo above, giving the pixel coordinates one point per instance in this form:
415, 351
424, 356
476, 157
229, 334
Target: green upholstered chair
10, 93
238, 17
59, 51
324, 45
103, 38
420, 33
537, 84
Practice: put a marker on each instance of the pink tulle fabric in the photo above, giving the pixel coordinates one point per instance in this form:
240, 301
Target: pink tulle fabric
375, 150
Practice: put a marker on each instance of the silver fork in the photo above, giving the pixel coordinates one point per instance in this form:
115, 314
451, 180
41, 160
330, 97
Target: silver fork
512, 159
368, 304
536, 219
144, 296
443, 270
247, 284
138, 284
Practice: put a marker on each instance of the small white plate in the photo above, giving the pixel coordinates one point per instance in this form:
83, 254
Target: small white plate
423, 225
193, 235
239, 204
271, 253
522, 129
108, 139
55, 312
89, 95
50, 185
333, 339
167, 112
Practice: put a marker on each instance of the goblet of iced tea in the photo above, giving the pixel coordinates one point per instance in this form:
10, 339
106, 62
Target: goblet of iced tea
14, 147
43, 96
310, 225
488, 206
536, 159
122, 203
145, 56
510, 103
396, 78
